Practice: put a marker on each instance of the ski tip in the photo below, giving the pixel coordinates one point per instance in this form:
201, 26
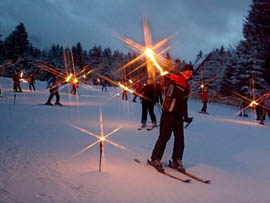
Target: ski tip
207, 181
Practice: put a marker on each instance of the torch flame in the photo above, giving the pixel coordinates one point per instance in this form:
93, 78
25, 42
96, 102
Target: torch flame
102, 139
68, 78
253, 103
125, 88
150, 54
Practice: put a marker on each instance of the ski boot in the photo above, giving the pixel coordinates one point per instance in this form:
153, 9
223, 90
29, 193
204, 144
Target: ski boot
58, 103
154, 124
177, 165
48, 103
157, 165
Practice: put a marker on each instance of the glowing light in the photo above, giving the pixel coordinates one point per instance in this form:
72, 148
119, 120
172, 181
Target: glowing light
253, 103
21, 75
202, 86
150, 54
130, 81
98, 80
69, 77
102, 139
75, 80
84, 76
125, 88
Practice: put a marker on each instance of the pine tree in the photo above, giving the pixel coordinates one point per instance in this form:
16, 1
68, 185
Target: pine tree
256, 31
16, 43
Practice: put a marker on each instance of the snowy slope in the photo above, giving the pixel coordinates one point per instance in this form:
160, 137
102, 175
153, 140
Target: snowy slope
38, 144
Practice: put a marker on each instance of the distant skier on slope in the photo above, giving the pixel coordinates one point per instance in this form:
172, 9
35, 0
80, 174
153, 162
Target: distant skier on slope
53, 86
31, 82
204, 99
137, 89
266, 107
174, 114
148, 103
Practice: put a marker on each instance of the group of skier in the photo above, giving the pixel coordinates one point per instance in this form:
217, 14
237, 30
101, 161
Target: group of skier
16, 82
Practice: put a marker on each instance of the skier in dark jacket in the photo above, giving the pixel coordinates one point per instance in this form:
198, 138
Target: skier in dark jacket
174, 114
266, 107
16, 83
148, 103
53, 86
31, 82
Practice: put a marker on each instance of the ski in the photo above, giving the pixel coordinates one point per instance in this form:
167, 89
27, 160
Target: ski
191, 175
141, 128
152, 127
165, 173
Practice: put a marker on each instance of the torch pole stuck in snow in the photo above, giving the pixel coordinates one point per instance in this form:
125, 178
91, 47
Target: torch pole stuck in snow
101, 147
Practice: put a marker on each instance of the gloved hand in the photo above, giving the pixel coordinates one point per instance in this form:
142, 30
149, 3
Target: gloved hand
188, 120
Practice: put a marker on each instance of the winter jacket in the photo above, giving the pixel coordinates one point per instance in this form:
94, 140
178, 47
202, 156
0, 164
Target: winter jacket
52, 84
176, 96
204, 96
137, 87
148, 92
266, 102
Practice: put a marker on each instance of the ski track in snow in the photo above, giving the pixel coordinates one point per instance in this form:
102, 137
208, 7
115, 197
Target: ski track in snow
37, 143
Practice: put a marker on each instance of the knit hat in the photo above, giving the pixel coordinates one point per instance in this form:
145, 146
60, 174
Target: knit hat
187, 67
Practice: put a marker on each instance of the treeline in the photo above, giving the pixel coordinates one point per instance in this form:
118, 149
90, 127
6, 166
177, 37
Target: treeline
18, 49
244, 69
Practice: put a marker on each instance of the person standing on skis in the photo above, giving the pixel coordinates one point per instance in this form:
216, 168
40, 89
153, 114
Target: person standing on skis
148, 103
174, 114
204, 99
53, 86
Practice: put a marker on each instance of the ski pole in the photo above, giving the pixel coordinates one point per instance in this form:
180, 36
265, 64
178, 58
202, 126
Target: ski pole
14, 98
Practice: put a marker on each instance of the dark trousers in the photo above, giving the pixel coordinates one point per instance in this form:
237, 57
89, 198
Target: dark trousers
134, 98
169, 123
148, 107
17, 87
32, 85
74, 90
104, 88
52, 93
124, 95
204, 107
263, 116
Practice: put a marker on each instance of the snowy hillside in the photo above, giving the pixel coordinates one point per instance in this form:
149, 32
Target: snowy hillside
39, 145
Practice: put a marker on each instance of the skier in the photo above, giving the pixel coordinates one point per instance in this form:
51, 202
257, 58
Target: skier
74, 88
174, 114
266, 107
104, 85
243, 108
16, 83
148, 103
137, 89
53, 86
204, 99
31, 82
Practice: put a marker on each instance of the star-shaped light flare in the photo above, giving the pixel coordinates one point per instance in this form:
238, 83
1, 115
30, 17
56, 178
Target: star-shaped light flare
151, 52
100, 138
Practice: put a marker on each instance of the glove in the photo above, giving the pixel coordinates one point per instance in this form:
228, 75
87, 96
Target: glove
188, 120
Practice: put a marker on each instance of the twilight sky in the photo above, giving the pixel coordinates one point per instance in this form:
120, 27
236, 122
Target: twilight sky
198, 24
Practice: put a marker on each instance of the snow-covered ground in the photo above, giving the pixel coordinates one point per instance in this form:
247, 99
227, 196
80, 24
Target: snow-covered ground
39, 145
